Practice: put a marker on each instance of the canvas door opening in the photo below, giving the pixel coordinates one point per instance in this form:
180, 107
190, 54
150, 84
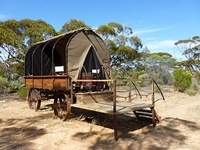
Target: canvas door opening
92, 69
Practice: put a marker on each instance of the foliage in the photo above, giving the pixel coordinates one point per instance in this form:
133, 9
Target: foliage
159, 66
22, 92
182, 79
16, 37
129, 59
197, 77
193, 90
9, 86
190, 48
122, 45
145, 79
2, 70
73, 24
3, 85
136, 74
106, 31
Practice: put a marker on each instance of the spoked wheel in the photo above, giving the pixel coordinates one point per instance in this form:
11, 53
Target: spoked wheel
33, 99
62, 106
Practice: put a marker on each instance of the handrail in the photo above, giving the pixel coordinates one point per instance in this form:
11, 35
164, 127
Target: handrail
152, 80
136, 89
159, 89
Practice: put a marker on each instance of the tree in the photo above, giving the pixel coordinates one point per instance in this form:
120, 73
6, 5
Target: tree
73, 24
190, 48
122, 45
159, 66
17, 37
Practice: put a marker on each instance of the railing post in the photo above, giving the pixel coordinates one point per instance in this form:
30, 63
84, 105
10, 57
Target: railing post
114, 110
153, 90
114, 96
71, 90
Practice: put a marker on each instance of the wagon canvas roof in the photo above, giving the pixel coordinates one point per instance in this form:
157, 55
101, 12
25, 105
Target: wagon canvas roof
73, 51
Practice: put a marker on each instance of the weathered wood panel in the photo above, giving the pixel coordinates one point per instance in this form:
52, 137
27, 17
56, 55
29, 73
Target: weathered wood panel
48, 82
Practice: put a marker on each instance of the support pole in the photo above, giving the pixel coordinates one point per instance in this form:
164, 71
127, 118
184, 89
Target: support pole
153, 93
114, 111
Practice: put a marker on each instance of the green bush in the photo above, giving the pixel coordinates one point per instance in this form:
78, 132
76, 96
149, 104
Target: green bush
182, 79
3, 85
3, 81
193, 89
136, 74
197, 77
191, 92
144, 78
22, 92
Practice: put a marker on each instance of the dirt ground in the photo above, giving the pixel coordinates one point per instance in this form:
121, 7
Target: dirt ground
25, 129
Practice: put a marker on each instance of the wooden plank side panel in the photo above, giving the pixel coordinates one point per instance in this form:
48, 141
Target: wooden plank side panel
47, 82
37, 83
28, 83
60, 83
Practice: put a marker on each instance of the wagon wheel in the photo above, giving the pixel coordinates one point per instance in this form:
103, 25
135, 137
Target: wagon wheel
62, 106
33, 102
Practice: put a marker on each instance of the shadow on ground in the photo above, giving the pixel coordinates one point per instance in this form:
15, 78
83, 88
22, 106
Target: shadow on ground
137, 135
18, 133
133, 134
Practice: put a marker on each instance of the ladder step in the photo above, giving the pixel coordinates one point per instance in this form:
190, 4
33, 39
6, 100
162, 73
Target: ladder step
144, 110
145, 116
143, 113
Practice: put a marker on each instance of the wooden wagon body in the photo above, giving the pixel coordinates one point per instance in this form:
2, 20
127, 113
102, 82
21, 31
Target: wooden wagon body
74, 70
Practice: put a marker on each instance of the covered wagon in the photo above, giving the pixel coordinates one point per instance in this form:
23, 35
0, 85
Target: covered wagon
53, 68
73, 69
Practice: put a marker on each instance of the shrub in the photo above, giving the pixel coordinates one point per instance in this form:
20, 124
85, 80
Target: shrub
136, 74
22, 92
166, 78
144, 77
182, 79
197, 77
193, 89
3, 85
191, 92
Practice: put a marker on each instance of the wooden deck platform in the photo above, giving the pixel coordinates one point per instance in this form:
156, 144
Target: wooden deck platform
109, 102
107, 107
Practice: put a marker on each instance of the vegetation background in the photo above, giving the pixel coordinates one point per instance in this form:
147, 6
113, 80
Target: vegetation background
129, 59
24, 129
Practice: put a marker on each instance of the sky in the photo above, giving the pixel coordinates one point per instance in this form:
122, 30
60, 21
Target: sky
158, 23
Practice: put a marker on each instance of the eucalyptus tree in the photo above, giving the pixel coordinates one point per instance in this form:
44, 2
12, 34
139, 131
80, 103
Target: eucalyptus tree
73, 24
122, 45
190, 48
160, 66
16, 37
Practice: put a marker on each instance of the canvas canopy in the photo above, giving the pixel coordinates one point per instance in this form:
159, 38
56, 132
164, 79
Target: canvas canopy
77, 53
